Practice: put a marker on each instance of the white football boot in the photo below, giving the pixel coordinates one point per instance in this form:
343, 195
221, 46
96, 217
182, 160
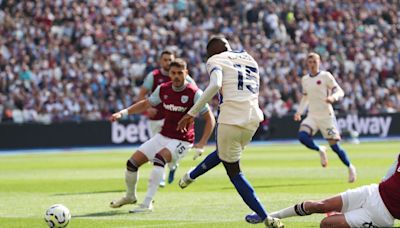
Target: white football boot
352, 174
323, 156
185, 180
141, 208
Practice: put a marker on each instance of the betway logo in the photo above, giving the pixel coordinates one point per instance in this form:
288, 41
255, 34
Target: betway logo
377, 125
131, 133
174, 108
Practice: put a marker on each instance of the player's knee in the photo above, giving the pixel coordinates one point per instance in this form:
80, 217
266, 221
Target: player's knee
303, 135
331, 222
159, 160
232, 169
131, 165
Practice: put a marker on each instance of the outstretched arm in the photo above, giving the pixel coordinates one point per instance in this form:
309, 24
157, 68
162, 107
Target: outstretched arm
138, 107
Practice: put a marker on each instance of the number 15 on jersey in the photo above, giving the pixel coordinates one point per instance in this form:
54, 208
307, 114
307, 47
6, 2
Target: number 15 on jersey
247, 78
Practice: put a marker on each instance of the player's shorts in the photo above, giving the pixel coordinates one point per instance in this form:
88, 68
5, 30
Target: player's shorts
327, 126
155, 126
231, 141
363, 207
178, 148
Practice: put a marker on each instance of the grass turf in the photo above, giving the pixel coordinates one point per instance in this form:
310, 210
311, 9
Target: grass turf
86, 182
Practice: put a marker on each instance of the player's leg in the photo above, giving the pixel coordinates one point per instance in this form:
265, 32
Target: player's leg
231, 141
307, 129
310, 207
145, 152
155, 128
334, 221
159, 162
330, 131
204, 166
173, 151
208, 163
131, 179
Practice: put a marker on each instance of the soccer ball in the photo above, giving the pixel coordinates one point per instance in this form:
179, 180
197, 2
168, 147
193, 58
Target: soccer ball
57, 216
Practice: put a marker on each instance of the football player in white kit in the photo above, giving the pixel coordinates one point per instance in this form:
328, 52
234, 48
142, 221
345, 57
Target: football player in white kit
366, 206
320, 90
235, 76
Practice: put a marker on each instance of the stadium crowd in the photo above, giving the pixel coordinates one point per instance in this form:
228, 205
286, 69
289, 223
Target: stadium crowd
83, 60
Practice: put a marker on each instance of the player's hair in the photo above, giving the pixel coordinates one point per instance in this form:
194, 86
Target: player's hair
313, 55
214, 39
178, 62
166, 52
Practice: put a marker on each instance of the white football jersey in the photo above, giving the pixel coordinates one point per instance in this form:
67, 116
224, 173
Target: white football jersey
239, 93
317, 88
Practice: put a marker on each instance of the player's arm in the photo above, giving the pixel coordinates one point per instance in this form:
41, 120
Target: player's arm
302, 106
208, 127
213, 87
146, 87
337, 92
139, 106
208, 116
391, 170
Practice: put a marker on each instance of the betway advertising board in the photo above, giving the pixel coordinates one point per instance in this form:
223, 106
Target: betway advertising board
380, 125
104, 133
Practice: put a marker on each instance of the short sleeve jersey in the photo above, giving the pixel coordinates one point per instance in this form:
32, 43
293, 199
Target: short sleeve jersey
240, 88
317, 88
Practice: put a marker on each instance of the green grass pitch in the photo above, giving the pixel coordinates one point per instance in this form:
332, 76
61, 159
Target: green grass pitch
86, 182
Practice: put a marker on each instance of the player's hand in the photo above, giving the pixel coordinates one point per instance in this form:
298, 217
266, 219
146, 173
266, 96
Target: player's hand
185, 122
116, 116
151, 112
297, 117
198, 151
330, 100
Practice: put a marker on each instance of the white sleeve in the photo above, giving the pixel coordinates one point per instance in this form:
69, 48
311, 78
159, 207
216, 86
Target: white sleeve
337, 92
212, 89
391, 170
303, 105
303, 102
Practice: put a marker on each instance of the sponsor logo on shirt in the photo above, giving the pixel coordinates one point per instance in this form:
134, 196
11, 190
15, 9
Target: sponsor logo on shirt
174, 108
398, 169
184, 99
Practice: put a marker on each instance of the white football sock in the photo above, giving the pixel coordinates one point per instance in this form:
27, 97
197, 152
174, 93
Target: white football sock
131, 179
284, 213
154, 181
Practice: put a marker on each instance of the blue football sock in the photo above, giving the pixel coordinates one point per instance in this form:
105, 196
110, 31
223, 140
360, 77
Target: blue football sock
248, 195
307, 141
341, 153
208, 163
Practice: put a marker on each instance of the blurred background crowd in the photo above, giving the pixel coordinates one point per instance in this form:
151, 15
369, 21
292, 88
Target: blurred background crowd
83, 60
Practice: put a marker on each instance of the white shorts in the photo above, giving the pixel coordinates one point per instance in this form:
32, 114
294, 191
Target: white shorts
327, 126
178, 148
231, 141
155, 126
363, 207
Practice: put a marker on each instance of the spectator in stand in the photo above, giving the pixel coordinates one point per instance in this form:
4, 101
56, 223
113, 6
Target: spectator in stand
89, 57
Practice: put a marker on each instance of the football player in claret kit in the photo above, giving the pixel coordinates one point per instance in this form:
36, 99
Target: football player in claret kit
235, 76
155, 114
367, 206
320, 90
170, 145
